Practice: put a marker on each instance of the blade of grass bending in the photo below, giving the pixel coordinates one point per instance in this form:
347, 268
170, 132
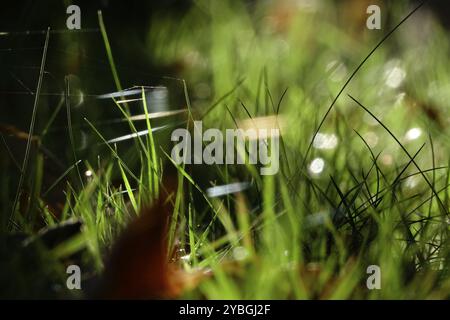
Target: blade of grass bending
433, 161
31, 129
113, 152
69, 247
151, 144
58, 180
406, 152
36, 188
109, 51
52, 118
221, 99
128, 188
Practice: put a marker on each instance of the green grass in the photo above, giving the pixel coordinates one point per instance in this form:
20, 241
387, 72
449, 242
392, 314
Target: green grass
381, 198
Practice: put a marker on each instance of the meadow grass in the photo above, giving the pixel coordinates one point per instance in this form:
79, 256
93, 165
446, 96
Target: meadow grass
380, 197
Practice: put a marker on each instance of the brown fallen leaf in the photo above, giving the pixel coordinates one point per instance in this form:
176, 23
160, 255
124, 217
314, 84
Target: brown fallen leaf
139, 266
